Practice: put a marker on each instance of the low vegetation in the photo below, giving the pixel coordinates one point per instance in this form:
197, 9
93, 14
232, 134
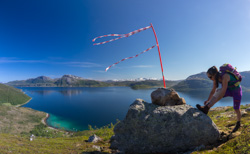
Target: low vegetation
15, 120
15, 137
238, 142
12, 95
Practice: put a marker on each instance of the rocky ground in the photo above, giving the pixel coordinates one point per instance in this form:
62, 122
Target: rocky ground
225, 119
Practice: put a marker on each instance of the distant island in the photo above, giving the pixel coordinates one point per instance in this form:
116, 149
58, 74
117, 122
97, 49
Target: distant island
196, 82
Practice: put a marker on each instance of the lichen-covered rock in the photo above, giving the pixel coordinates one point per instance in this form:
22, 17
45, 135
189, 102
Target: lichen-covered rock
94, 138
149, 128
166, 97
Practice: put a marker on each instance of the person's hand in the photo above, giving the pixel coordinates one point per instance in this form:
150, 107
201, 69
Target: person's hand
205, 103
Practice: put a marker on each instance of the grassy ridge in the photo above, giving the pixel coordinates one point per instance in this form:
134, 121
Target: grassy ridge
15, 120
12, 95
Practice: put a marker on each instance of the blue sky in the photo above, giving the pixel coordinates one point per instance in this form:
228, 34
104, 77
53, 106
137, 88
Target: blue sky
54, 37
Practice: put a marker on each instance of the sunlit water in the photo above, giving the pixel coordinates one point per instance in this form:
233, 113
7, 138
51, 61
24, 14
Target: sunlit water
76, 108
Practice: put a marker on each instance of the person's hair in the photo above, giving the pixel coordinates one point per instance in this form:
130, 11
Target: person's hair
213, 71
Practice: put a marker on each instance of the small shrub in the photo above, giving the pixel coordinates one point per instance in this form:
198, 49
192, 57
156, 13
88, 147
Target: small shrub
43, 131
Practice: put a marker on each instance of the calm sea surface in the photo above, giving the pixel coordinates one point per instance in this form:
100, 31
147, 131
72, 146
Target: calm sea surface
76, 108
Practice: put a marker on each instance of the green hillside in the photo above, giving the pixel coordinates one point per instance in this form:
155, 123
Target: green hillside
18, 123
194, 84
12, 95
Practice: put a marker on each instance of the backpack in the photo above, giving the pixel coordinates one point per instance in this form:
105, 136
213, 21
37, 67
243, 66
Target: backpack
227, 68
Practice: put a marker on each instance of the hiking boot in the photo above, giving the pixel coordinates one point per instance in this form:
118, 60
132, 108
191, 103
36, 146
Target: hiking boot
237, 126
203, 109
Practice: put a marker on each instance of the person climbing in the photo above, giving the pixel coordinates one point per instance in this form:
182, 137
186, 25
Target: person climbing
230, 80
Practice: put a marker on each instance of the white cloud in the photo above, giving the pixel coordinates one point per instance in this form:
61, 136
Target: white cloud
16, 60
69, 63
81, 64
143, 66
99, 71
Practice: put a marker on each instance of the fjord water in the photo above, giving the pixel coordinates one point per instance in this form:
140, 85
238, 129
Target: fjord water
76, 108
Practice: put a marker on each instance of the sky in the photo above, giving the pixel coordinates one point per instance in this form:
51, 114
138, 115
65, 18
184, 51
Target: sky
54, 38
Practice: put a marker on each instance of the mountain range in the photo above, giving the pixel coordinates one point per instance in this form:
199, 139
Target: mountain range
64, 81
75, 81
198, 81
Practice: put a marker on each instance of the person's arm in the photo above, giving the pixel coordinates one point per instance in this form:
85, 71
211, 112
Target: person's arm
211, 93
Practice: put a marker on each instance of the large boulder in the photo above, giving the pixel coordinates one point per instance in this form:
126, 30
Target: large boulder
166, 97
149, 128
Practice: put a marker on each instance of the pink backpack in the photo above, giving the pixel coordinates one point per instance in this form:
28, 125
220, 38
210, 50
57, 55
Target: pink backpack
227, 68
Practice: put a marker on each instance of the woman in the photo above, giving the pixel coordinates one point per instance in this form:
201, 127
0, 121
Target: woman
228, 89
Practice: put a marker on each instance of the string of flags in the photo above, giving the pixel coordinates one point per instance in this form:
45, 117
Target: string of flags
130, 34
122, 36
130, 57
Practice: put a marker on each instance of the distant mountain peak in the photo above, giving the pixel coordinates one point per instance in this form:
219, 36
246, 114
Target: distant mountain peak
201, 76
72, 76
45, 78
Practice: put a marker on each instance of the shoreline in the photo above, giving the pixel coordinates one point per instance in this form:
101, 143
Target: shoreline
44, 121
20, 105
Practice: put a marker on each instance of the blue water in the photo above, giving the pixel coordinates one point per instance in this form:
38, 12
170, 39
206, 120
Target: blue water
76, 108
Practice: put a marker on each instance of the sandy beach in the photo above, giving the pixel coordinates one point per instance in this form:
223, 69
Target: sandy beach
44, 121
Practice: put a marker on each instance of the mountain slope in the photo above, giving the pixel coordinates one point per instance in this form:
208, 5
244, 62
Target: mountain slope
12, 95
75, 81
245, 79
64, 81
41, 81
202, 75
200, 81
